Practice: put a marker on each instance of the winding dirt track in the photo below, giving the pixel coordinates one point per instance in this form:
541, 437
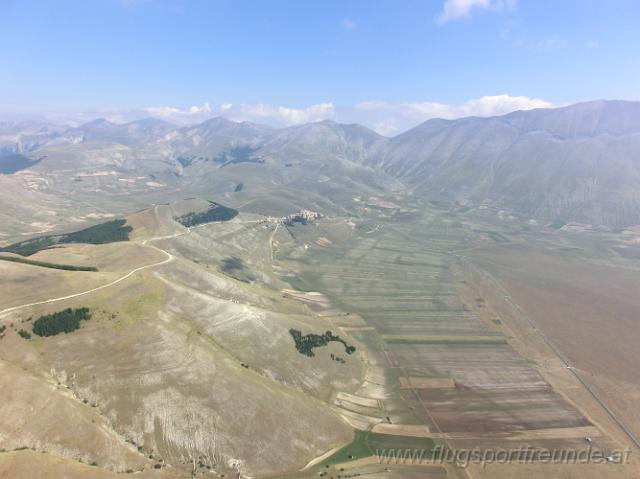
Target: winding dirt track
169, 258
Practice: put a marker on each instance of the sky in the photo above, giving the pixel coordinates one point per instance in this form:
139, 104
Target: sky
386, 64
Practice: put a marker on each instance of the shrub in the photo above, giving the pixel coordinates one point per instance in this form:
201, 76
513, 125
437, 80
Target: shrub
24, 334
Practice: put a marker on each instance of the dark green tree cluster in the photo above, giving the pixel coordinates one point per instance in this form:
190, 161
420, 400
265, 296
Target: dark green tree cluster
305, 344
232, 264
64, 321
238, 154
44, 264
12, 163
108, 232
185, 161
30, 246
215, 212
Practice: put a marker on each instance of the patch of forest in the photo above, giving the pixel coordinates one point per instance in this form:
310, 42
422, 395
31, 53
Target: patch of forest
185, 161
44, 264
232, 264
238, 154
10, 164
306, 344
64, 321
216, 212
109, 232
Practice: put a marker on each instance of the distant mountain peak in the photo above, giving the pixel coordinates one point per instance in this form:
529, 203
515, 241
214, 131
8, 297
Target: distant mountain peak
151, 121
98, 121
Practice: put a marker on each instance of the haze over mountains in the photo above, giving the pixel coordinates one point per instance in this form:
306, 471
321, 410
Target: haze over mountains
578, 163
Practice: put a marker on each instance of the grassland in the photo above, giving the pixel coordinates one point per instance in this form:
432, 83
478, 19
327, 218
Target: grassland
194, 358
368, 444
26, 284
179, 361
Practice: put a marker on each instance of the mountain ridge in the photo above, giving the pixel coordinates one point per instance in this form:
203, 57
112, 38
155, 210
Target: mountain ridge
574, 163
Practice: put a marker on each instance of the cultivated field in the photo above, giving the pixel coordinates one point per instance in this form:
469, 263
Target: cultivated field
189, 362
439, 366
585, 305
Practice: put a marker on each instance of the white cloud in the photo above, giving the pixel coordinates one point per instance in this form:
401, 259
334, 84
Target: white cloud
171, 113
256, 112
348, 24
456, 9
265, 113
386, 127
387, 118
499, 105
394, 117
279, 115
205, 108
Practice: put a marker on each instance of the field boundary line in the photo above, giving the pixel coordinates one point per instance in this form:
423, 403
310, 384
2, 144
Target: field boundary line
555, 349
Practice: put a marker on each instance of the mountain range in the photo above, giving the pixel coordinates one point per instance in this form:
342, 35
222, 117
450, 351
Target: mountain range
578, 163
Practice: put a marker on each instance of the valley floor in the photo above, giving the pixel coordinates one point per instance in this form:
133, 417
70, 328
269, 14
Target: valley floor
189, 365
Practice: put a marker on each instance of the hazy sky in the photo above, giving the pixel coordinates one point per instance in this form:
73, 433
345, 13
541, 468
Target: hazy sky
388, 64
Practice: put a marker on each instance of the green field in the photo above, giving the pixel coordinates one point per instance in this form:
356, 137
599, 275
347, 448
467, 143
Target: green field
366, 444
